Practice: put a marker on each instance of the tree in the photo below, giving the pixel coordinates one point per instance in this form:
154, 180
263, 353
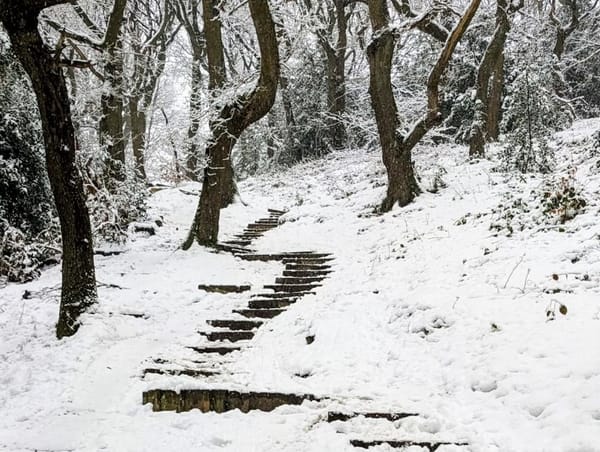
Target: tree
78, 273
334, 22
397, 148
489, 93
150, 33
187, 13
234, 117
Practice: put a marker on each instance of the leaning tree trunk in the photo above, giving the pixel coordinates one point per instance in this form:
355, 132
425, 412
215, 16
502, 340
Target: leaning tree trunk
78, 274
397, 149
234, 118
492, 58
402, 186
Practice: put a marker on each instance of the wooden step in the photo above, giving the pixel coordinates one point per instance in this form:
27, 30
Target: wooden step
291, 296
291, 288
219, 400
431, 446
307, 260
269, 221
233, 324
218, 350
231, 336
223, 288
238, 243
176, 372
299, 280
306, 273
334, 416
260, 227
277, 212
235, 249
302, 257
273, 303
295, 266
259, 313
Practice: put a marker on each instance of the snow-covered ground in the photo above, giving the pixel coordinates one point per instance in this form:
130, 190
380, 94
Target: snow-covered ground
429, 310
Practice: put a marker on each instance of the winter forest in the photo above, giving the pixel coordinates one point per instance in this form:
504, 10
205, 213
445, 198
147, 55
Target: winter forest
300, 226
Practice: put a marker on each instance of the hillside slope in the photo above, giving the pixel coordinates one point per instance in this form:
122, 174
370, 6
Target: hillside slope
441, 308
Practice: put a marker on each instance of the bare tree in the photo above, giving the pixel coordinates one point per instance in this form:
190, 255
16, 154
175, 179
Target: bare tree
151, 31
397, 148
188, 12
490, 76
78, 274
234, 117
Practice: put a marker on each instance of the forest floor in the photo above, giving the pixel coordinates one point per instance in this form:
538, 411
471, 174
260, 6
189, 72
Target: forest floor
443, 308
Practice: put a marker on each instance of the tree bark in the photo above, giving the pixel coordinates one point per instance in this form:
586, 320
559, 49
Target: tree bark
492, 59
138, 134
112, 102
78, 273
494, 111
192, 151
402, 186
397, 149
335, 58
234, 118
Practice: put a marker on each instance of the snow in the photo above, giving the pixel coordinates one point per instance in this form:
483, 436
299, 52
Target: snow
428, 311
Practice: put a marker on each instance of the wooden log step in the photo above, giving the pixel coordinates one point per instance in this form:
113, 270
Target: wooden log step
333, 416
268, 220
256, 230
261, 257
219, 350
276, 211
291, 288
231, 336
307, 260
289, 258
299, 280
259, 313
250, 234
291, 296
238, 243
238, 325
306, 273
431, 446
176, 372
235, 249
223, 288
219, 400
295, 266
272, 303
305, 255
260, 227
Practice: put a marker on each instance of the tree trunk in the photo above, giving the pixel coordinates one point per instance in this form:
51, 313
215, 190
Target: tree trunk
234, 118
492, 58
336, 78
111, 122
111, 102
294, 153
78, 274
396, 149
494, 112
138, 135
402, 185
192, 151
